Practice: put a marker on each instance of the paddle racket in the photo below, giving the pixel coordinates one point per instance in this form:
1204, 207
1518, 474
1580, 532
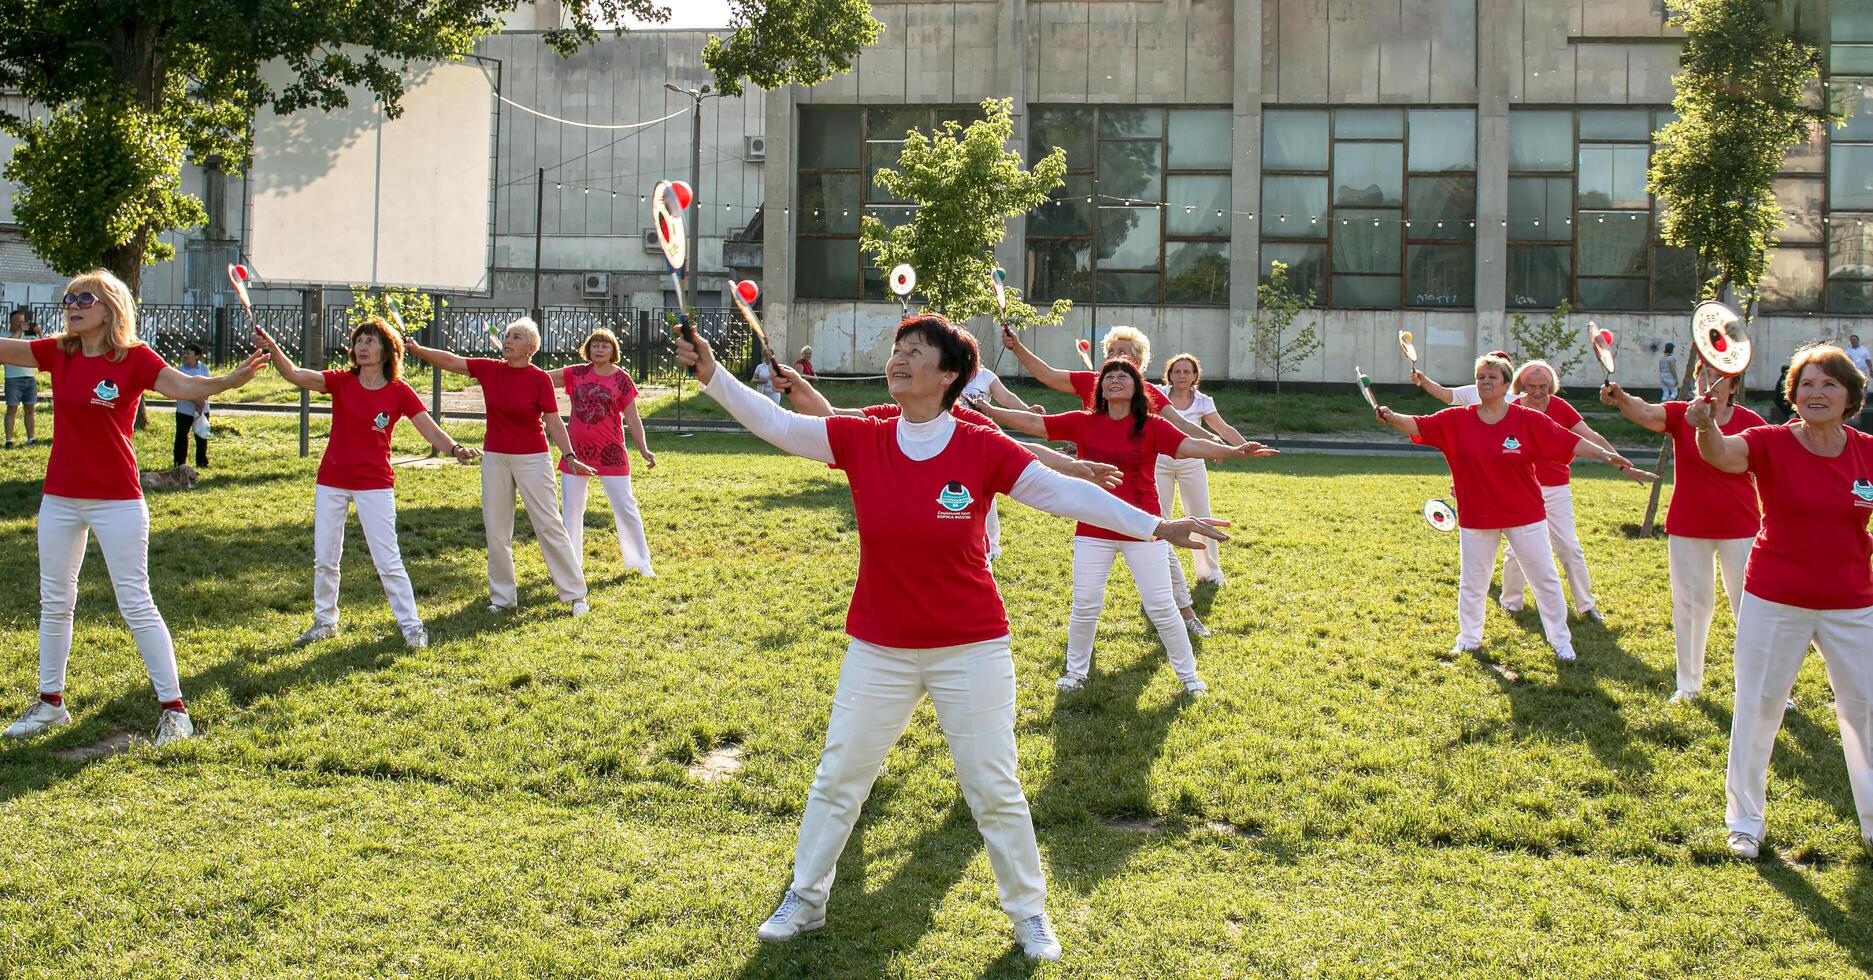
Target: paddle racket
394, 310
1365, 387
1602, 340
903, 280
1085, 349
1717, 333
667, 203
1440, 515
746, 292
1407, 348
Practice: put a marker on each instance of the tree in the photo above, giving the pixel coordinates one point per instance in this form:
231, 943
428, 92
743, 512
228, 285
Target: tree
965, 185
1277, 306
131, 89
1550, 340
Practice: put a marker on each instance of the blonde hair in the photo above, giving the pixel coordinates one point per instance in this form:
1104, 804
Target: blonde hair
1195, 365
1499, 362
526, 324
604, 334
1516, 384
120, 324
1837, 365
1137, 338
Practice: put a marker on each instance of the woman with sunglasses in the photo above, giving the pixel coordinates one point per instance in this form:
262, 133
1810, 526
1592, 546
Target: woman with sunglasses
100, 371
1122, 430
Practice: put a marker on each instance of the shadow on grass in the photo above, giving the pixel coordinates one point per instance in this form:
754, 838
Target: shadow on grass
1848, 928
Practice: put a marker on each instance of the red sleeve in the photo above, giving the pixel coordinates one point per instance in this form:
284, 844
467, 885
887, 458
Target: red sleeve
478, 368
1162, 437
1551, 440
627, 390
1083, 384
843, 434
47, 355
1439, 428
1065, 427
1007, 460
972, 417
146, 365
1750, 419
334, 380
409, 403
882, 411
1564, 414
1674, 416
549, 396
1762, 442
570, 377
1156, 400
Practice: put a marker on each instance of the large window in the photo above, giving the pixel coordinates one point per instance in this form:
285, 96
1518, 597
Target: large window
1372, 208
1849, 220
1582, 227
1144, 215
840, 154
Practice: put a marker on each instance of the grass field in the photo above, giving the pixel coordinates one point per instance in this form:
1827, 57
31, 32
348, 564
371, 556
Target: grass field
516, 800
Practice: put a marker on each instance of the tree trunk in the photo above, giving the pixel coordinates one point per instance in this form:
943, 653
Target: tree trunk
142, 70
1648, 527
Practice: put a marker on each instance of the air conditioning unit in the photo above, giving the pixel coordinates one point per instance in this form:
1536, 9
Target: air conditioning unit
596, 283
755, 148
650, 241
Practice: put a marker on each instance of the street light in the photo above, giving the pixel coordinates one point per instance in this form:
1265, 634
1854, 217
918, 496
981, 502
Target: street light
690, 220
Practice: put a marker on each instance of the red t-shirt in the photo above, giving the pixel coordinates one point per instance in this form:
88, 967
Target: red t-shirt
516, 398
1493, 466
1548, 472
1086, 385
1706, 502
94, 406
597, 433
1104, 439
923, 571
357, 455
1813, 550
962, 412
805, 367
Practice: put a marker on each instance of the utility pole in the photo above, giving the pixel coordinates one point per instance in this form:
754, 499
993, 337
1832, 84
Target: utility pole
692, 218
539, 209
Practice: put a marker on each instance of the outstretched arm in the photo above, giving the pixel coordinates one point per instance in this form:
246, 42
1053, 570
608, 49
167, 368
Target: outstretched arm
806, 399
1103, 474
1589, 449
1637, 410
1215, 421
1016, 419
441, 441
1042, 371
302, 377
188, 387
436, 356
1211, 449
798, 434
1727, 453
1008, 399
18, 353
1408, 424
1063, 496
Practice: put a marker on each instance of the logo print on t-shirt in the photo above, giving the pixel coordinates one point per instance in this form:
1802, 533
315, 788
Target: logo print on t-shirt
1511, 445
1863, 489
955, 497
106, 393
382, 421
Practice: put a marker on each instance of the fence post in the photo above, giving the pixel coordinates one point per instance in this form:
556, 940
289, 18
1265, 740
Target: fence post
435, 373
221, 335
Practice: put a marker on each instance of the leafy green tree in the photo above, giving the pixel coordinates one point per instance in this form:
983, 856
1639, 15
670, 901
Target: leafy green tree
1277, 306
966, 185
1549, 339
133, 88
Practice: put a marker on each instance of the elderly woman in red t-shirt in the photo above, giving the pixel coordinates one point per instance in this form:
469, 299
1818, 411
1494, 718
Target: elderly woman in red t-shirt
925, 615
604, 408
519, 398
1809, 580
1493, 448
100, 370
1712, 519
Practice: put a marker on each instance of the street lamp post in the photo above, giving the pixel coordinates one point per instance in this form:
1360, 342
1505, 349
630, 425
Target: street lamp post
692, 219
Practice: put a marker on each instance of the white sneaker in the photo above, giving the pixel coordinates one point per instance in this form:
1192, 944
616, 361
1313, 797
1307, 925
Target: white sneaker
1070, 682
1565, 656
1681, 697
416, 637
1745, 846
1036, 936
580, 607
1459, 650
174, 727
1594, 614
1196, 688
1789, 705
41, 716
319, 631
1218, 579
793, 917
1195, 626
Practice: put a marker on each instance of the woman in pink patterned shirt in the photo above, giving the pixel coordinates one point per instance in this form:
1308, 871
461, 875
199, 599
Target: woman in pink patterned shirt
601, 393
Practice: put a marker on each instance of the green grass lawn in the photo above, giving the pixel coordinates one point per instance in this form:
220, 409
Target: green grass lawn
515, 800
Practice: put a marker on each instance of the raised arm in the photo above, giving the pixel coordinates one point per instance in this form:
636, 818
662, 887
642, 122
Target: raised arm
1211, 449
1008, 399
174, 384
634, 426
1408, 424
798, 434
1636, 410
1050, 492
302, 377
441, 441
1589, 449
1432, 388
18, 353
1042, 371
1727, 453
1019, 420
437, 357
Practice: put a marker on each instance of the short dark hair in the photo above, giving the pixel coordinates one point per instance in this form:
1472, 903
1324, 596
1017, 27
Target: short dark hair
957, 349
25, 311
1141, 405
195, 349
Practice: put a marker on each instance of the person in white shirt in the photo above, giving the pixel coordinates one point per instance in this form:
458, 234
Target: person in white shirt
1667, 375
764, 381
1861, 357
1190, 478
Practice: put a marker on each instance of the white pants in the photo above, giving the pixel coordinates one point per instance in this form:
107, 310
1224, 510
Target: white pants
377, 515
631, 543
1190, 479
123, 530
972, 688
1092, 565
1566, 546
532, 475
1771, 642
1667, 388
1477, 554
1694, 564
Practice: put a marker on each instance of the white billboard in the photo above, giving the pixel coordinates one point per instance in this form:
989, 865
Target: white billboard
351, 196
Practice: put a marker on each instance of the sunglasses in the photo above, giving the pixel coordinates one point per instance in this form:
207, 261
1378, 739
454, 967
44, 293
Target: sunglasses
83, 301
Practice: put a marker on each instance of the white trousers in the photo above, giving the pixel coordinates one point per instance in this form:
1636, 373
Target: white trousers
531, 474
123, 530
1565, 544
1771, 642
972, 688
377, 516
1667, 388
1092, 565
1189, 479
631, 543
1694, 564
1477, 554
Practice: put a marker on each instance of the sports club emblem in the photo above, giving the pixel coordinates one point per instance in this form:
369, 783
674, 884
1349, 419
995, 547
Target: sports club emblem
104, 394
1511, 445
1863, 490
382, 421
955, 498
